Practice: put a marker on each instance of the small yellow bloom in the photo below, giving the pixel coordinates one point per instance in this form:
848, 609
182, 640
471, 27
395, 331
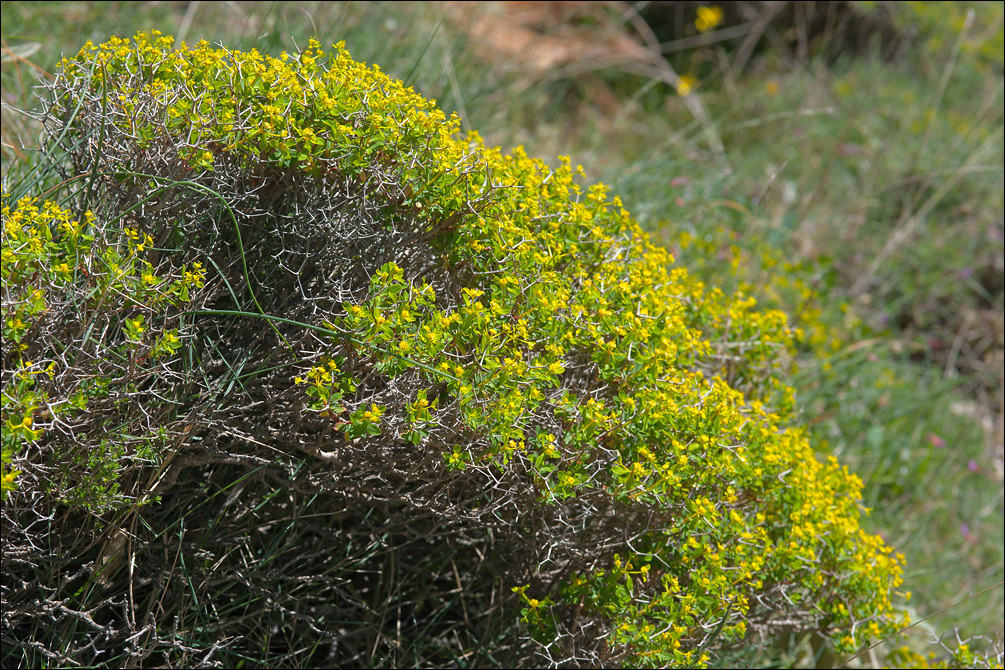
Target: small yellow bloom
685, 86
708, 18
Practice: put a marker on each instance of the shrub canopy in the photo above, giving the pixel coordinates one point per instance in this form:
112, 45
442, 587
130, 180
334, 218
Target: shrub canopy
449, 398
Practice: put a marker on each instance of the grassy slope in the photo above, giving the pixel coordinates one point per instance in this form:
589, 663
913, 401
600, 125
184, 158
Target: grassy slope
879, 183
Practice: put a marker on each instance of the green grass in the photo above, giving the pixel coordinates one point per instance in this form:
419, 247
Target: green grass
878, 180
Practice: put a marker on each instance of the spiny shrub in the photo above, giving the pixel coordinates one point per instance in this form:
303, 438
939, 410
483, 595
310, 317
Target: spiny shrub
455, 406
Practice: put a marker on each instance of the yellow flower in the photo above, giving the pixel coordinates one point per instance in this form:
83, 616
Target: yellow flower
708, 18
685, 85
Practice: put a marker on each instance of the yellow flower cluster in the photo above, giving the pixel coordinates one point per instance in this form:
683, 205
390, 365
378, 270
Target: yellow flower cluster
51, 260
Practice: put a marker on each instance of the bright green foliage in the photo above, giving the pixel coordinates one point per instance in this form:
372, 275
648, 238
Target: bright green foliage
529, 335
959, 657
53, 265
286, 112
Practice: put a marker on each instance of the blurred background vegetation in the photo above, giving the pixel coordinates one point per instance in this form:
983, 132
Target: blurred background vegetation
842, 161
